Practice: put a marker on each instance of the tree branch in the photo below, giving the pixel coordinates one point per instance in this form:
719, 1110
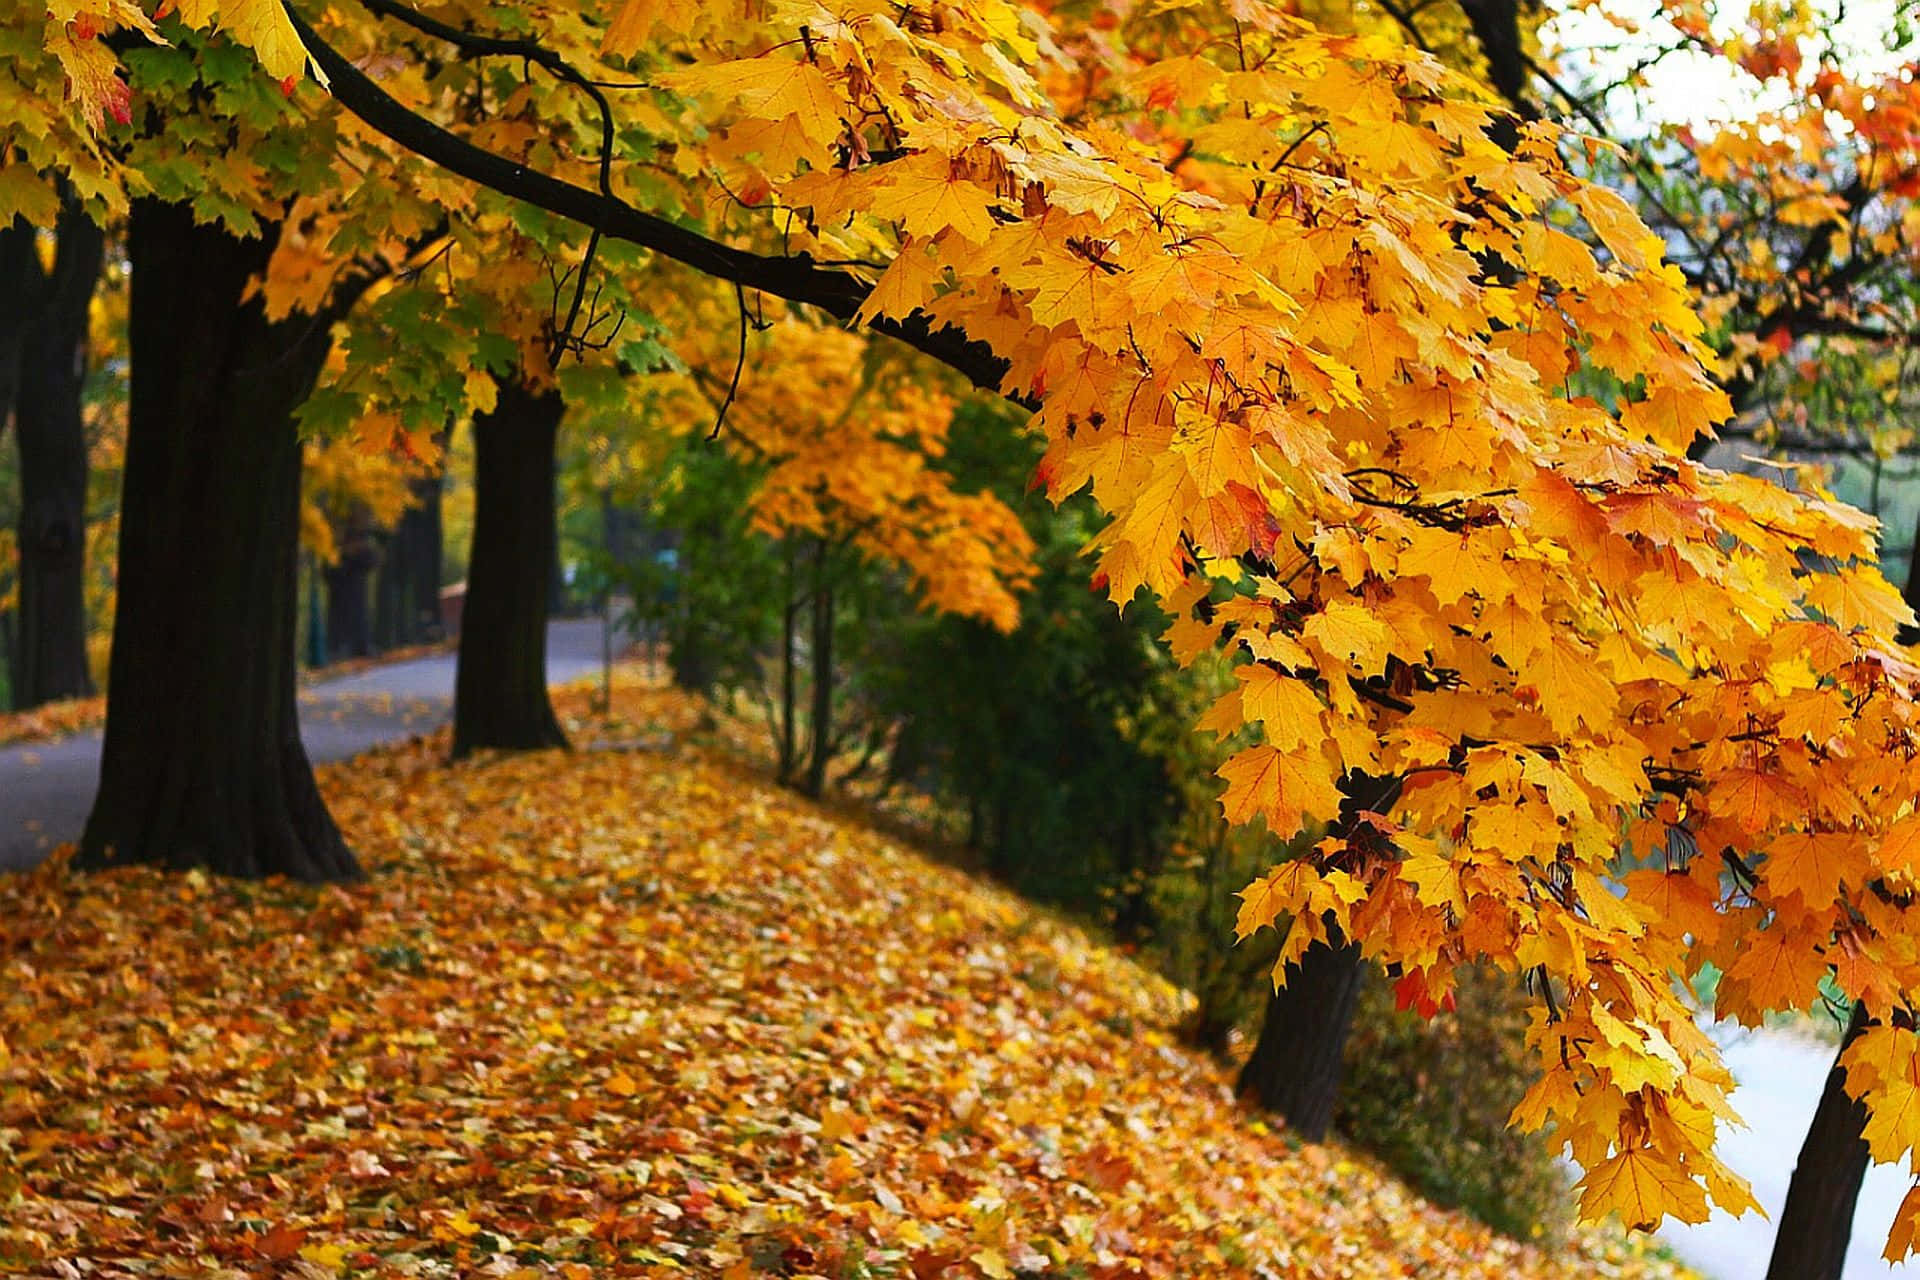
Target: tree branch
796, 277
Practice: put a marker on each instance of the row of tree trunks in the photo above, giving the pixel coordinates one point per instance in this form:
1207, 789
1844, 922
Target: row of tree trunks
349, 612
406, 586
46, 377
203, 763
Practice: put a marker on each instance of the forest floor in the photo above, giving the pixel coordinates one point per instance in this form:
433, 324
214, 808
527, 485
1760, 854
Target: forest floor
636, 1011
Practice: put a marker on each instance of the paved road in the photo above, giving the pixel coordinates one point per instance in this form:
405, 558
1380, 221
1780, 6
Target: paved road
1780, 1078
47, 788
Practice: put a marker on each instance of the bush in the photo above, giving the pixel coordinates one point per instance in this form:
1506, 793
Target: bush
1431, 1097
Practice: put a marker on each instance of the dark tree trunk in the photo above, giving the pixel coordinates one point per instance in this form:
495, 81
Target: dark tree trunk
1296, 1064
691, 657
1817, 1222
1497, 27
407, 584
559, 600
18, 269
821, 660
349, 620
19, 273
50, 657
202, 764
500, 692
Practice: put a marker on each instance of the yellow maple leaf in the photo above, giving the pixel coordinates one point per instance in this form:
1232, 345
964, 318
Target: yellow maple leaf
1643, 1187
1282, 787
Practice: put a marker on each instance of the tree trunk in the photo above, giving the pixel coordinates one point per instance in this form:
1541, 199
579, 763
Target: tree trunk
349, 624
18, 268
202, 764
349, 621
1817, 1222
50, 657
19, 271
407, 584
500, 692
821, 660
1296, 1064
559, 600
691, 658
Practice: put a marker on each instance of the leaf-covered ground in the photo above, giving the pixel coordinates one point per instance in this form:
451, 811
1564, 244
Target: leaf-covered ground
53, 720
638, 1012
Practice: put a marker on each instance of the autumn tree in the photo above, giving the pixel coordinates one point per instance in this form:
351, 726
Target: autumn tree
1339, 448
463, 336
202, 763
844, 445
1793, 218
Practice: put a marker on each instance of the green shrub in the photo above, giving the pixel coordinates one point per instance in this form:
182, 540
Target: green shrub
1431, 1096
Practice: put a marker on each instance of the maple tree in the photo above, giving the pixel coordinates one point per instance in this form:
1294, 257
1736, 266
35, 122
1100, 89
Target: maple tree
201, 672
1333, 439
846, 447
1789, 210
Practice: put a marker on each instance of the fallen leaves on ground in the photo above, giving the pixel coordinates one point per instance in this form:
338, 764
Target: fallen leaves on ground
385, 658
52, 720
638, 1013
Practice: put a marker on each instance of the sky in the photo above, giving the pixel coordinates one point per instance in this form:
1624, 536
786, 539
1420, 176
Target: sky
1693, 88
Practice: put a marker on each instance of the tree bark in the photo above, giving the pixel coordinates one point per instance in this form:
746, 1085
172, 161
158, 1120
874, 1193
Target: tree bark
1817, 1222
1296, 1064
1497, 28
18, 268
559, 600
50, 656
202, 764
500, 697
